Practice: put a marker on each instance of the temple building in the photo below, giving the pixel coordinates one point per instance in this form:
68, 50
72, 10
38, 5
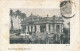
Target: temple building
40, 24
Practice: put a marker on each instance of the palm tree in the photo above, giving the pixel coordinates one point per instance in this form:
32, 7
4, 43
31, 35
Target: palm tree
11, 16
18, 14
23, 16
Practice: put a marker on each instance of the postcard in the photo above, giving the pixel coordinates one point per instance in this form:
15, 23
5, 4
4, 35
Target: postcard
39, 25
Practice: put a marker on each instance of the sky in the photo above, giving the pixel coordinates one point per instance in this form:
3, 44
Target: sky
40, 12
43, 13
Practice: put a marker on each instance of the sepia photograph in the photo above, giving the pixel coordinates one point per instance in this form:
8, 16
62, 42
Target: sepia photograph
38, 26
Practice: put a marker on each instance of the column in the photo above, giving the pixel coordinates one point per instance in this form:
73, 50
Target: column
60, 28
47, 27
54, 28
37, 28
56, 32
33, 29
30, 28
26, 29
51, 27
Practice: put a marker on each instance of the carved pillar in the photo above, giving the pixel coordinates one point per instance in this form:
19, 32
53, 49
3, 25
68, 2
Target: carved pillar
37, 28
33, 29
60, 28
47, 27
30, 28
51, 27
54, 28
26, 29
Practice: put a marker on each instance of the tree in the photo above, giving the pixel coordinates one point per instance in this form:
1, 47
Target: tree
65, 30
11, 16
18, 14
23, 16
11, 13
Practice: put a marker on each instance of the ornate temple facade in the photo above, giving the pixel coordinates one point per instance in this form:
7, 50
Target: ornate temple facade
41, 24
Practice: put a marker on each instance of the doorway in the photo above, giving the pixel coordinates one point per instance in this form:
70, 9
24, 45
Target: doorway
42, 28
